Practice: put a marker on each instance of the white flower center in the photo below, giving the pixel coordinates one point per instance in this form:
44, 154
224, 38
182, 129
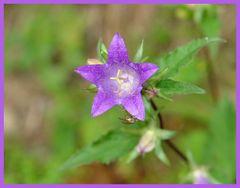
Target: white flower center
126, 82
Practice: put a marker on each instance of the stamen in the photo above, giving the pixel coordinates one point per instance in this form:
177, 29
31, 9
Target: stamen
117, 78
124, 83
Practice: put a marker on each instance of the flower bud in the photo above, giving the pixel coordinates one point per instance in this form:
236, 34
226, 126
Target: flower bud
151, 92
147, 142
200, 176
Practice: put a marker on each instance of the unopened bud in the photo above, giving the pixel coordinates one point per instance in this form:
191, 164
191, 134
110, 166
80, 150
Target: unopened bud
200, 176
147, 142
151, 92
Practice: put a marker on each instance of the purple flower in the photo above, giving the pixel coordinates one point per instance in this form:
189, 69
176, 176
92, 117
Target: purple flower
119, 81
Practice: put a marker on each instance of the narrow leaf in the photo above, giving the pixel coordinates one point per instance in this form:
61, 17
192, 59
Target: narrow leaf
139, 53
160, 153
133, 155
181, 56
102, 51
108, 148
170, 87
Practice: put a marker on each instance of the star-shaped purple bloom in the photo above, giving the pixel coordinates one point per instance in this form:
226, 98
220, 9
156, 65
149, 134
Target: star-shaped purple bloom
119, 81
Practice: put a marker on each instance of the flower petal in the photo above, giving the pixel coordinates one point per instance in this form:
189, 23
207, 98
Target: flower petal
117, 51
102, 102
92, 73
146, 70
134, 105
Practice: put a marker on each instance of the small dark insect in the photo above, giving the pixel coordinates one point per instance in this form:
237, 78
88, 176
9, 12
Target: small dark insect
129, 119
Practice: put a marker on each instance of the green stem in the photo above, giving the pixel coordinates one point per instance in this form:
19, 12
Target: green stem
168, 142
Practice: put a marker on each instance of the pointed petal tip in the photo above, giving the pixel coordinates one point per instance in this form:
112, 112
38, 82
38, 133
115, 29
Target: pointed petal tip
140, 117
117, 50
134, 105
154, 70
147, 70
77, 70
154, 65
157, 67
80, 70
117, 36
94, 114
102, 103
99, 111
94, 111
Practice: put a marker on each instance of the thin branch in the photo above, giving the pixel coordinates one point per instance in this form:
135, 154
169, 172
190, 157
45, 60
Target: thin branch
180, 154
155, 108
168, 142
212, 77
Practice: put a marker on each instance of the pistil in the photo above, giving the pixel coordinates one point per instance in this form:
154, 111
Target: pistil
120, 80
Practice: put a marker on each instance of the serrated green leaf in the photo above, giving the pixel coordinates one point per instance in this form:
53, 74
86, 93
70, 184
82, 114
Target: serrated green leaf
170, 87
139, 53
102, 51
172, 62
160, 153
221, 145
108, 148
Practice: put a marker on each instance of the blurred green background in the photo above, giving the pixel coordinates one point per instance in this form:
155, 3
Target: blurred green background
47, 109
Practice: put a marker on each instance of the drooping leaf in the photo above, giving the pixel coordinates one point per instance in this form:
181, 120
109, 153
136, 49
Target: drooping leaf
102, 51
169, 87
160, 152
133, 155
139, 53
172, 62
111, 146
221, 145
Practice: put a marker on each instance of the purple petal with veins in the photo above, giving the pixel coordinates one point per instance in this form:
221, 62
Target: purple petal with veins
117, 51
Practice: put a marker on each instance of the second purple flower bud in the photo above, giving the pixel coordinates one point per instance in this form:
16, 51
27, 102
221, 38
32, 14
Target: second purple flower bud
147, 142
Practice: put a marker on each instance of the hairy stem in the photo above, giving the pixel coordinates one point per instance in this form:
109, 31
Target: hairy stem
168, 142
